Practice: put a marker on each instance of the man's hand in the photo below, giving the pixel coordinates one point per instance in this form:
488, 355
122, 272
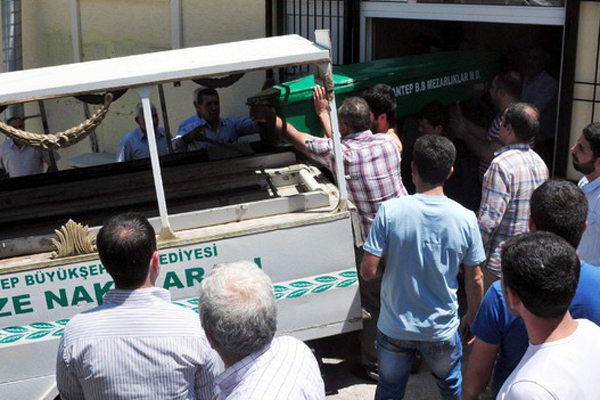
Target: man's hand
465, 329
196, 134
320, 100
262, 113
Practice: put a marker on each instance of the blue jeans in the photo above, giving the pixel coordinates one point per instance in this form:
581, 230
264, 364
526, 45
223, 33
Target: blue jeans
396, 358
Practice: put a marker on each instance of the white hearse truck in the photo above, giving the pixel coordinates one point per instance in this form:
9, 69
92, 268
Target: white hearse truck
267, 208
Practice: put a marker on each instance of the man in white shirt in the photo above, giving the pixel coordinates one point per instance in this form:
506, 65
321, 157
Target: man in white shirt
586, 159
540, 272
137, 344
18, 159
238, 311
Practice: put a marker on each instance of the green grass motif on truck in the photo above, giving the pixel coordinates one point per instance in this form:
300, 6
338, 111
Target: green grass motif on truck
286, 290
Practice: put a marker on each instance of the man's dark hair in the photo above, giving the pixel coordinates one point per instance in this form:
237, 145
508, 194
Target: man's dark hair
381, 100
543, 270
434, 156
560, 207
201, 93
355, 113
524, 119
510, 82
591, 133
435, 113
126, 243
15, 118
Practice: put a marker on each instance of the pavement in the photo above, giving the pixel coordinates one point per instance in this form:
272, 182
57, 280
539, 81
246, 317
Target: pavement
341, 367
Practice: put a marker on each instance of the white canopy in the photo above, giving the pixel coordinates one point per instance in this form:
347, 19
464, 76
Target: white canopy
153, 68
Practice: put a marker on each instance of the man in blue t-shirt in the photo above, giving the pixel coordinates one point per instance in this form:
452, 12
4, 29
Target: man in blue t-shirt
501, 339
424, 238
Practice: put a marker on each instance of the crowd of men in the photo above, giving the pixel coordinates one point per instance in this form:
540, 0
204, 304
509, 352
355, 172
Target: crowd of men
530, 259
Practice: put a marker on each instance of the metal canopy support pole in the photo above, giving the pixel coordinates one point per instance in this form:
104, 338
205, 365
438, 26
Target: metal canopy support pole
324, 71
176, 28
166, 232
78, 57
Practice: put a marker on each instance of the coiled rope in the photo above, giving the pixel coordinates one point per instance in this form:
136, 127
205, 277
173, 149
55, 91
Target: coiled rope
61, 139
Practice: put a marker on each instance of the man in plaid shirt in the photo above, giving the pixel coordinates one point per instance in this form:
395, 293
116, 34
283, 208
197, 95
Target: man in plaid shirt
515, 172
372, 173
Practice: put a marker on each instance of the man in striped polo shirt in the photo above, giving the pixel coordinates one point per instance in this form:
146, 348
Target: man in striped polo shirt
137, 344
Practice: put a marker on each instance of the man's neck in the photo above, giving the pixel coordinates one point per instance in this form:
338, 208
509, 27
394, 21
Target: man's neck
430, 190
545, 330
594, 175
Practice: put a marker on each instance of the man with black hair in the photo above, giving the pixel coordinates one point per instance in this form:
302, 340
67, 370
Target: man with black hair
17, 159
586, 159
505, 90
540, 271
137, 344
559, 207
513, 175
425, 238
209, 121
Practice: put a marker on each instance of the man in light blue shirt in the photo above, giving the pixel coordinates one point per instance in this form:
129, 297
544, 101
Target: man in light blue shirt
586, 159
424, 239
134, 145
215, 128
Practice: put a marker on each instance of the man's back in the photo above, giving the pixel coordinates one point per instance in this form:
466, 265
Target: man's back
562, 369
507, 187
372, 167
284, 369
137, 345
427, 238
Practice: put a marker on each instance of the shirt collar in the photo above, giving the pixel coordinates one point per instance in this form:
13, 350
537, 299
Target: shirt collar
142, 135
514, 146
358, 135
234, 374
136, 296
589, 187
202, 121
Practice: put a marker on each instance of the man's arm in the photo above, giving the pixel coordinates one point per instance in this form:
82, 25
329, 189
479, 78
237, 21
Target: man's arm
67, 383
474, 136
479, 368
321, 103
474, 290
284, 130
494, 201
369, 267
481, 148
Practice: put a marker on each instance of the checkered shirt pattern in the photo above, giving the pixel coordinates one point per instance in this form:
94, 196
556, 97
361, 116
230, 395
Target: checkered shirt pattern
514, 174
284, 369
372, 170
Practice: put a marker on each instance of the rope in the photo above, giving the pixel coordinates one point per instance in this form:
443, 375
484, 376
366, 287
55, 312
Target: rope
61, 139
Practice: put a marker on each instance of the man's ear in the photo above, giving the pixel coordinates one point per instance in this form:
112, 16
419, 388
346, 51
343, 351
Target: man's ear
438, 130
154, 267
450, 173
513, 301
531, 224
211, 340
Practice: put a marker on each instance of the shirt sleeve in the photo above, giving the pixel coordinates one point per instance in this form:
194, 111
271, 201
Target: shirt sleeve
321, 151
377, 240
527, 390
121, 152
206, 373
494, 201
489, 319
245, 127
66, 381
475, 254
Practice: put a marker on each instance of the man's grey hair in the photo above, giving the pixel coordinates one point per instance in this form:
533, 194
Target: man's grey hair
355, 113
139, 110
237, 307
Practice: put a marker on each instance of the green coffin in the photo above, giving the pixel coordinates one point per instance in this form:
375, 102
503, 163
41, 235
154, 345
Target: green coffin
417, 80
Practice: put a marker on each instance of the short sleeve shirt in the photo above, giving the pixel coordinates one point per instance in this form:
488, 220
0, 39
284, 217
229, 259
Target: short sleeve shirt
424, 240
